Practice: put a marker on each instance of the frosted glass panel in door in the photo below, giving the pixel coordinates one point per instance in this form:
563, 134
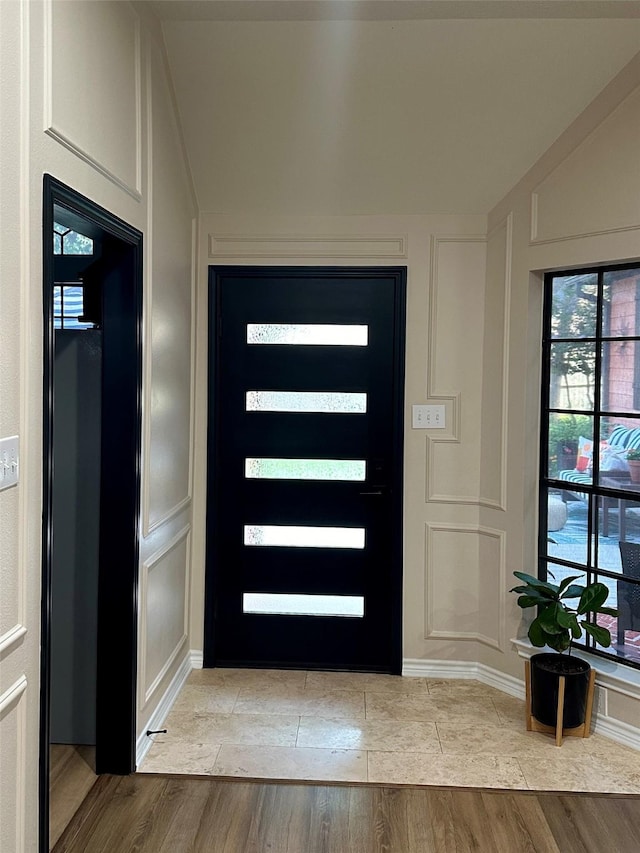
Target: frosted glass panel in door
307, 334
328, 402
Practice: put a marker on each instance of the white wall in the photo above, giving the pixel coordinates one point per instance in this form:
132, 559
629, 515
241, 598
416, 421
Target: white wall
85, 98
579, 205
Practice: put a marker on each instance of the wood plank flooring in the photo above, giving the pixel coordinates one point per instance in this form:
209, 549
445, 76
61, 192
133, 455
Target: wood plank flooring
175, 814
71, 777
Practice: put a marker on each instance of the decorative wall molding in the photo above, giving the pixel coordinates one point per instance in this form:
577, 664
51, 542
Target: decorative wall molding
63, 138
307, 246
180, 645
149, 525
156, 720
432, 318
500, 503
12, 699
12, 694
12, 637
147, 303
430, 631
534, 240
144, 692
435, 395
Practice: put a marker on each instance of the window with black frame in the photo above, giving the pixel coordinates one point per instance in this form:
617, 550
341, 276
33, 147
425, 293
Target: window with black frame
590, 447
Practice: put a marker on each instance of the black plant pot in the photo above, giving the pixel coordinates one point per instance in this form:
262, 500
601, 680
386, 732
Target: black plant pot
546, 669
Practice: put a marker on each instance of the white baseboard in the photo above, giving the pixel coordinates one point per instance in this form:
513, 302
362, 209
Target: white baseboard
163, 707
197, 658
464, 670
607, 726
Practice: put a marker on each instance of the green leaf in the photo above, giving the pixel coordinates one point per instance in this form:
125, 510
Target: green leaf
560, 642
576, 630
536, 634
574, 591
565, 618
549, 590
530, 600
601, 635
565, 583
608, 611
592, 598
520, 589
549, 619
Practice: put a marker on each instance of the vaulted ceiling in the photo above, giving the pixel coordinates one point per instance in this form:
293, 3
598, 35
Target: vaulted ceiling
320, 107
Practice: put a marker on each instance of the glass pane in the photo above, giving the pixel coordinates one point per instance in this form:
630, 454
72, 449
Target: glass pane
618, 524
570, 446
571, 382
621, 308
625, 627
330, 402
305, 469
68, 306
620, 385
302, 605
567, 526
573, 306
556, 574
68, 242
303, 537
307, 334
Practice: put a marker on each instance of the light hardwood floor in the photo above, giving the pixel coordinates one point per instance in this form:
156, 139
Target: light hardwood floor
159, 814
71, 777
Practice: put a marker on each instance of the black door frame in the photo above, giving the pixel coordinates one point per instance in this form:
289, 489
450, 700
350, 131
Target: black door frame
119, 496
399, 274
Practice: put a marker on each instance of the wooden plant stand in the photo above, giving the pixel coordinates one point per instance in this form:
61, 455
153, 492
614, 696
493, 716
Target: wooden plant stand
534, 725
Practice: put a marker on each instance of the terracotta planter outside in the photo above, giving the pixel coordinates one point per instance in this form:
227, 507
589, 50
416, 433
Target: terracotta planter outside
634, 470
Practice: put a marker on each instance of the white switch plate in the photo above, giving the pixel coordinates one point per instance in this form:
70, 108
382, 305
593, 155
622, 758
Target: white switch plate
428, 417
9, 461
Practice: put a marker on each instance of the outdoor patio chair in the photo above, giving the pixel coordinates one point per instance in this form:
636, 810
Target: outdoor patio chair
629, 595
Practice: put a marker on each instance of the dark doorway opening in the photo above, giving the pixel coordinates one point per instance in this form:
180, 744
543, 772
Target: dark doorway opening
92, 307
304, 524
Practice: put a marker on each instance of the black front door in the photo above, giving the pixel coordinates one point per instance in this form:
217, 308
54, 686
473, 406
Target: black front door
304, 546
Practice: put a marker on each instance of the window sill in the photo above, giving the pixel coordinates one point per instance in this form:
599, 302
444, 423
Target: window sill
609, 674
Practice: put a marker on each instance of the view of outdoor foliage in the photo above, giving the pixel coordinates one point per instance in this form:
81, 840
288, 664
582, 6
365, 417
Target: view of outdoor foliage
591, 428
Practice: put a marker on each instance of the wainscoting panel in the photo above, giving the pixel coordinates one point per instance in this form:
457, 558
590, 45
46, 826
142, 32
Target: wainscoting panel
565, 205
13, 724
103, 131
163, 613
464, 584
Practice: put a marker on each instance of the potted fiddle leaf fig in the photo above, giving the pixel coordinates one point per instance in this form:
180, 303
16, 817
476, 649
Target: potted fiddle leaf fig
565, 610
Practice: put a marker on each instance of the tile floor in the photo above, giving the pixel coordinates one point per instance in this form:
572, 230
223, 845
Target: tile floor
355, 727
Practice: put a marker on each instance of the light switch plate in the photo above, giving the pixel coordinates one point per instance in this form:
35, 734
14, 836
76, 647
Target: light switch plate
9, 461
428, 417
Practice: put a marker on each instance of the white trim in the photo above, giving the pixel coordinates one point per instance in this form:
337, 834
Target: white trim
616, 730
11, 637
197, 658
163, 707
463, 670
307, 246
13, 693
